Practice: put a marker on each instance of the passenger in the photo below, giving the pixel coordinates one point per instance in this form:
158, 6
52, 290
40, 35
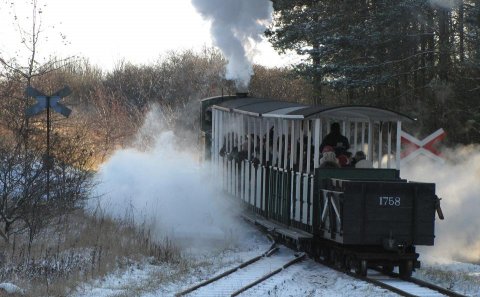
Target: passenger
350, 159
336, 140
223, 151
329, 160
343, 161
242, 155
255, 162
233, 155
328, 148
361, 160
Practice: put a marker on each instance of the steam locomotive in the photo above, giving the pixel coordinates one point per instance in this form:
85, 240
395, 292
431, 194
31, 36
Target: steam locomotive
266, 153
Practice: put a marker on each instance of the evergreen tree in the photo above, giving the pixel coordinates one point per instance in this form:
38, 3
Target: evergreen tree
419, 57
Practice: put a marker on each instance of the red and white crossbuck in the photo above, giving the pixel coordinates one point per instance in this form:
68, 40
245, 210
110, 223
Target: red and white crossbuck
414, 147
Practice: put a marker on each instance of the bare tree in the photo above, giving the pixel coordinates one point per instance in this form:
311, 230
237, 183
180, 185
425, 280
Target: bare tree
24, 204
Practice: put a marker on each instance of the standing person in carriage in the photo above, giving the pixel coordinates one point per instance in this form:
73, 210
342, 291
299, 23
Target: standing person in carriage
336, 140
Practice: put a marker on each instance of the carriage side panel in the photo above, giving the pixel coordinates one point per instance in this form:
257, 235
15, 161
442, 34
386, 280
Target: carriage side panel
387, 213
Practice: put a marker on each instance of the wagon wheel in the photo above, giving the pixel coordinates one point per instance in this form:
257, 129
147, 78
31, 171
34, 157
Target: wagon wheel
325, 254
361, 268
406, 269
349, 263
331, 256
387, 268
339, 260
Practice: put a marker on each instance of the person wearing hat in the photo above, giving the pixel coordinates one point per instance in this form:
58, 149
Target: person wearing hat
361, 160
336, 140
329, 160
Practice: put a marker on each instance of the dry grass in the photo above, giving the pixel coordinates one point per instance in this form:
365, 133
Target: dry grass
79, 248
458, 281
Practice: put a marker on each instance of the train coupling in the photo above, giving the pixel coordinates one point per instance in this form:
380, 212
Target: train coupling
391, 244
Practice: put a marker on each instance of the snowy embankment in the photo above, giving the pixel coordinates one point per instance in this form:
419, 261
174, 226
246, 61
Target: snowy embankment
307, 278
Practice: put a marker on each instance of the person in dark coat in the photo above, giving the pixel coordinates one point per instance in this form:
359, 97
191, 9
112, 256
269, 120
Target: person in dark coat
336, 140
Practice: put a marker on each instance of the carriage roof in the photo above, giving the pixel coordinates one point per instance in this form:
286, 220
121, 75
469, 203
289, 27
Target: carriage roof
261, 107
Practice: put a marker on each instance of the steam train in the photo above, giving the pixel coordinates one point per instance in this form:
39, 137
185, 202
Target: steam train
266, 154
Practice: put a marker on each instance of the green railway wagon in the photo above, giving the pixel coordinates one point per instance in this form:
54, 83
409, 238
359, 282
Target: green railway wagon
267, 154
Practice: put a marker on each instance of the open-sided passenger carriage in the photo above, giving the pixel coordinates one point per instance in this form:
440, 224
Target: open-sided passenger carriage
266, 153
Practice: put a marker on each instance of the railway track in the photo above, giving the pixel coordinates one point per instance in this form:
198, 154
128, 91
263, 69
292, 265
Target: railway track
246, 275
250, 273
411, 287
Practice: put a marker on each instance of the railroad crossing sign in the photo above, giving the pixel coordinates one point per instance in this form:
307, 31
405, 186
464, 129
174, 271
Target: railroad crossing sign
48, 102
414, 147
45, 102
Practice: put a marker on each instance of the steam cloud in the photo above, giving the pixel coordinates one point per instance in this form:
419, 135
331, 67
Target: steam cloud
167, 189
236, 26
457, 182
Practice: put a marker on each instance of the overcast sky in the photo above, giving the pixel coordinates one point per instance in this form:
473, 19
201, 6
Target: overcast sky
106, 31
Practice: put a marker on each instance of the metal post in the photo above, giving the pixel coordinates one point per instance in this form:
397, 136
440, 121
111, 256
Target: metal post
380, 144
285, 155
398, 144
363, 137
316, 147
292, 144
370, 141
300, 153
389, 145
355, 137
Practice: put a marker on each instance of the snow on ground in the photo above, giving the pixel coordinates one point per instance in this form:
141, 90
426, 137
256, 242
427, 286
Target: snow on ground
307, 278
10, 289
463, 278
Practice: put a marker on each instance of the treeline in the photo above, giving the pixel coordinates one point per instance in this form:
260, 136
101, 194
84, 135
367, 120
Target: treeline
108, 107
416, 56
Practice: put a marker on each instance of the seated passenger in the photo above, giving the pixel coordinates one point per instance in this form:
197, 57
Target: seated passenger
327, 148
350, 159
223, 150
329, 160
343, 161
361, 160
233, 154
336, 140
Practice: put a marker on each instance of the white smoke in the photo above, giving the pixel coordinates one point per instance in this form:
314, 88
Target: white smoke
167, 189
236, 25
457, 183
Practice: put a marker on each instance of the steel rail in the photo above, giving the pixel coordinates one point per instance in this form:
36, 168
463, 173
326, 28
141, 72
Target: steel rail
401, 292
423, 283
435, 287
416, 281
297, 259
385, 286
273, 248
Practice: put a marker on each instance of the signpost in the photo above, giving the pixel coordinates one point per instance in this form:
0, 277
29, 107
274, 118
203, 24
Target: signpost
415, 147
48, 102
